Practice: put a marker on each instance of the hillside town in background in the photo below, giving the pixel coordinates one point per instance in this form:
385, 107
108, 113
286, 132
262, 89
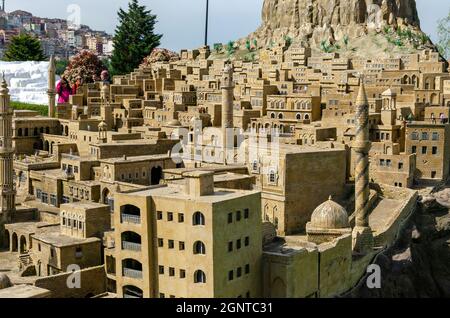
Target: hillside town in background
58, 36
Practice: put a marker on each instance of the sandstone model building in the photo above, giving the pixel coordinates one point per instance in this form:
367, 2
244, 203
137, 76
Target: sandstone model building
283, 176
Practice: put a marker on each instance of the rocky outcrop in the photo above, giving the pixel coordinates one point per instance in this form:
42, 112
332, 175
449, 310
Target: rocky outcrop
417, 265
313, 22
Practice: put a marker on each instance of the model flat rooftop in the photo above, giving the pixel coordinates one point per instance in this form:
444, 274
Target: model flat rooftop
135, 159
58, 240
177, 192
86, 205
24, 291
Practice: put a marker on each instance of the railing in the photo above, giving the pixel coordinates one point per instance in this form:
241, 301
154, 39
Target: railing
128, 218
131, 246
132, 273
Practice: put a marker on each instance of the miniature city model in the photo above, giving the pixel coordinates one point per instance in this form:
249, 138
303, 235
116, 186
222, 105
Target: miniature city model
281, 176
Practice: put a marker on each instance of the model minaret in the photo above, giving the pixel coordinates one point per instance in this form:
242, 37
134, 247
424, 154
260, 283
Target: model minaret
7, 195
51, 87
227, 86
362, 233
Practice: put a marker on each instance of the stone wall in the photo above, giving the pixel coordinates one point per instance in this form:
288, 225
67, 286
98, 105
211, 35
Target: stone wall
93, 282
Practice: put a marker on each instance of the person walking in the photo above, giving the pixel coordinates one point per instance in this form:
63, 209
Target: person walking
105, 77
77, 85
64, 91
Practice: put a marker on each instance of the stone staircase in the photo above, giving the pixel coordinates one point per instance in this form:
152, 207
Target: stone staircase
25, 260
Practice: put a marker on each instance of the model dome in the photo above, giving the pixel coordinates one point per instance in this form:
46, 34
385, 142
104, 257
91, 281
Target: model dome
330, 215
174, 123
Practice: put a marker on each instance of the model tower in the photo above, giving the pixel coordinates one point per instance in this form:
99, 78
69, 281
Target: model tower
8, 193
51, 87
227, 86
362, 233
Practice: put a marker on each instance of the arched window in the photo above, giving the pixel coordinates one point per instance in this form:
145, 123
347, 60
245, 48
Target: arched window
199, 277
199, 248
306, 116
299, 116
198, 219
272, 115
280, 116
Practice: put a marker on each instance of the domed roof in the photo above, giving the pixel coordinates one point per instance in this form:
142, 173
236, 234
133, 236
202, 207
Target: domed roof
4, 281
174, 122
330, 215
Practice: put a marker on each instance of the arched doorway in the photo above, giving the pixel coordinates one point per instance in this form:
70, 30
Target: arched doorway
108, 199
23, 245
46, 145
14, 243
156, 175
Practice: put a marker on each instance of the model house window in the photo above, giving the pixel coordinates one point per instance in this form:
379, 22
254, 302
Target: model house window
230, 275
169, 216
247, 241
199, 248
199, 277
424, 150
435, 136
159, 215
78, 252
181, 246
238, 215
230, 246
160, 242
247, 268
180, 217
238, 244
246, 213
182, 273
171, 271
161, 270
435, 150
171, 244
198, 219
424, 136
272, 176
415, 136
230, 218
414, 149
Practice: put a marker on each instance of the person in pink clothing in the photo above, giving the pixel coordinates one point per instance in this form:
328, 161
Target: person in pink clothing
63, 90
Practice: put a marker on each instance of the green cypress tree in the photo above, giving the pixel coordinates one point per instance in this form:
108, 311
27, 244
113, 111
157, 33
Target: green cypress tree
24, 47
134, 39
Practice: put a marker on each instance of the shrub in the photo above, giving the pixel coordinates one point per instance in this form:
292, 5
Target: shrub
85, 64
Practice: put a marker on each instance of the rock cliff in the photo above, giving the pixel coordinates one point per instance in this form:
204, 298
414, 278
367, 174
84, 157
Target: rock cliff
333, 24
417, 265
